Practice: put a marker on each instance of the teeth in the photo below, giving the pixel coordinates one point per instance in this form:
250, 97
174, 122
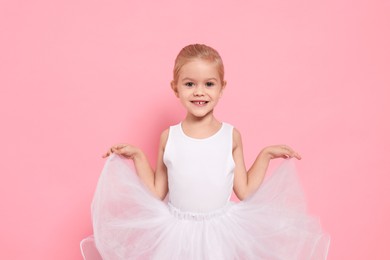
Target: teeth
199, 102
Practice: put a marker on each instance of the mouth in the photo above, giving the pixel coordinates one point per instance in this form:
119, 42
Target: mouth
199, 102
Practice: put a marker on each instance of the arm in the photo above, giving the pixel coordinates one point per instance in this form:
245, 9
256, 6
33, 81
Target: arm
157, 181
245, 183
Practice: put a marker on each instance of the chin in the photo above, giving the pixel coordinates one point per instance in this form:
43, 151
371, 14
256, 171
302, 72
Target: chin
200, 115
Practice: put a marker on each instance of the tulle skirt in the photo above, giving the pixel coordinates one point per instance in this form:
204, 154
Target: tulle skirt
131, 223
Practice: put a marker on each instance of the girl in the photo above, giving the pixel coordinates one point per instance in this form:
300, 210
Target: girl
200, 162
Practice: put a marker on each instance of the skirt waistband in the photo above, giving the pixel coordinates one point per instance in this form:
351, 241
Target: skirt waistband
199, 216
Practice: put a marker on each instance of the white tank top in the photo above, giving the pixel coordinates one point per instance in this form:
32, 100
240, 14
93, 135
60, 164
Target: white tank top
200, 171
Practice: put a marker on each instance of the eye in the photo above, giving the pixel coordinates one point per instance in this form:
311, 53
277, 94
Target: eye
189, 84
209, 84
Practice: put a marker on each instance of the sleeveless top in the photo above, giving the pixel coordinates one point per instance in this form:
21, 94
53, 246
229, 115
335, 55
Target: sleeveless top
200, 171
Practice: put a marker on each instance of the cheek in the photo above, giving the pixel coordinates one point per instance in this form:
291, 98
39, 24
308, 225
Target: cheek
218, 93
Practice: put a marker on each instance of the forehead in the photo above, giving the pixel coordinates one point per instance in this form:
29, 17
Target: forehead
199, 68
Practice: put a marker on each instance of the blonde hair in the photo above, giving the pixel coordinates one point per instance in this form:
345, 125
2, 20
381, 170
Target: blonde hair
197, 51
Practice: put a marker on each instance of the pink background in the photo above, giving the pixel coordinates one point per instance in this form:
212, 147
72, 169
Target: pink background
79, 76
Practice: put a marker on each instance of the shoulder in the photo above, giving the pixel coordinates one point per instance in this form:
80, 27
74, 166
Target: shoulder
164, 138
236, 138
165, 133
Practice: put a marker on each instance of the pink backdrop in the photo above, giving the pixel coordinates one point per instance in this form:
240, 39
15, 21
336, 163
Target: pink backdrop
78, 76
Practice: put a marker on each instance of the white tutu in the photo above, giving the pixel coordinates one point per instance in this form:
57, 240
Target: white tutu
131, 223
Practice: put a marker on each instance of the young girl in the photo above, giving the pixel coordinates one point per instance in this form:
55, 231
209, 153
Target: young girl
200, 162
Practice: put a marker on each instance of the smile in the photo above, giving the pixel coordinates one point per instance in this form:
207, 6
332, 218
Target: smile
199, 103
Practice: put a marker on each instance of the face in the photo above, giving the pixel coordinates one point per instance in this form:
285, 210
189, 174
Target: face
199, 87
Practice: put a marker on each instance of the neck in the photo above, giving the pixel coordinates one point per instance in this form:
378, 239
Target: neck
200, 127
200, 121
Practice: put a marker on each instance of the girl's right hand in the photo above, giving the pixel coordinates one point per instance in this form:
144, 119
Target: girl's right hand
126, 150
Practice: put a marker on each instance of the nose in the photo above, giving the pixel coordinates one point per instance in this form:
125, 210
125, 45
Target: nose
198, 91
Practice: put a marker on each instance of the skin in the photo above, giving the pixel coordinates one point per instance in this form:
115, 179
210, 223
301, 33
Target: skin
199, 81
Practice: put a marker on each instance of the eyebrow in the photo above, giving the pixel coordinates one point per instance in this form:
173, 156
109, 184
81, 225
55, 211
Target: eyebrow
194, 80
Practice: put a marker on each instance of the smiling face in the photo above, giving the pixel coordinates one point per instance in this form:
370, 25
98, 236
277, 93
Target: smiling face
199, 87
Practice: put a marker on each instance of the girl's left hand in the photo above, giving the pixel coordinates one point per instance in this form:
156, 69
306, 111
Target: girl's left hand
281, 151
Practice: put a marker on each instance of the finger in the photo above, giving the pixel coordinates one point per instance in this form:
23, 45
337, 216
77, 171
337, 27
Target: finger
291, 152
106, 154
297, 155
120, 149
116, 149
286, 153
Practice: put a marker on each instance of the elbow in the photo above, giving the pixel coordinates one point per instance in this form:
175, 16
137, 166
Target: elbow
161, 194
245, 192
241, 195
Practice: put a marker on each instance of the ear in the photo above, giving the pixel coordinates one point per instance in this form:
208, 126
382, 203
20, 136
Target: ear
174, 88
224, 83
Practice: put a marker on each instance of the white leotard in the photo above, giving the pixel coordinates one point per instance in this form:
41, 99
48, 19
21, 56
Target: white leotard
200, 171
